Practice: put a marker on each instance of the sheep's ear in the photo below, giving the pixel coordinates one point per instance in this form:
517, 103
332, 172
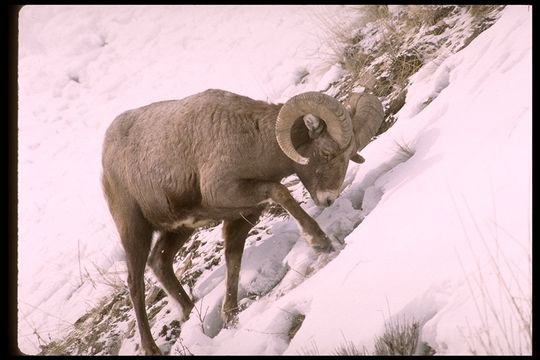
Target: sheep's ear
357, 158
314, 125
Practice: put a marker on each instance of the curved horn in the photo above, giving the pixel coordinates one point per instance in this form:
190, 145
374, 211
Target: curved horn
336, 117
367, 116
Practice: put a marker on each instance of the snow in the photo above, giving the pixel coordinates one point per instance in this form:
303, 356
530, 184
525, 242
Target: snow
435, 226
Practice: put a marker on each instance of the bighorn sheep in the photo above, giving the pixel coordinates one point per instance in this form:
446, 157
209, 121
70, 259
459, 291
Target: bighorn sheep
173, 166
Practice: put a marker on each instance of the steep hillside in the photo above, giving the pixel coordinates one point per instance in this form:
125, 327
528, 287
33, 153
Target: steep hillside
432, 232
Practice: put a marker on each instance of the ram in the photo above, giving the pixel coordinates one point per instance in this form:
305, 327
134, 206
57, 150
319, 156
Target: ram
172, 166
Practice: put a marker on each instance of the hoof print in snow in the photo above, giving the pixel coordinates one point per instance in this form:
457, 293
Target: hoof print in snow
324, 248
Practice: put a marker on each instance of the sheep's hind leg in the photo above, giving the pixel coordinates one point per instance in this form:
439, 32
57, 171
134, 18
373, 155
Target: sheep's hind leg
136, 236
161, 261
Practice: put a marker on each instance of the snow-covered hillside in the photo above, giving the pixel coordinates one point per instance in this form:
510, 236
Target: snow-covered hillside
436, 223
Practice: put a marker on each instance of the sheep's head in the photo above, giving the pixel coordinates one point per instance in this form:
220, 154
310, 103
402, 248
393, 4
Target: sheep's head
335, 134
321, 161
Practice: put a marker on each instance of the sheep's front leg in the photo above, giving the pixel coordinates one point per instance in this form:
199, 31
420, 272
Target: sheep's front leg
309, 228
234, 234
250, 193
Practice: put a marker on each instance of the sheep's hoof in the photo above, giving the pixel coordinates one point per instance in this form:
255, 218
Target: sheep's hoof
323, 245
229, 317
151, 349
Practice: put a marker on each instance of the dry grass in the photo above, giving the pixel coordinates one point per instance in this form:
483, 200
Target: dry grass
182, 349
426, 15
336, 36
296, 323
389, 46
373, 13
348, 348
505, 310
202, 312
87, 335
506, 313
480, 12
399, 338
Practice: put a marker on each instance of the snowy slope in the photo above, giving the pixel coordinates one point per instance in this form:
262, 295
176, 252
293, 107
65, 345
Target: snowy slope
452, 225
79, 67
449, 230
436, 223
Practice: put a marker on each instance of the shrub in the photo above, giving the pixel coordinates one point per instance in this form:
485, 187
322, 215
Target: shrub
399, 338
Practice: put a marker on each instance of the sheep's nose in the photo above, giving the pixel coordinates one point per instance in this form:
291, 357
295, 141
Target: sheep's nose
326, 198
